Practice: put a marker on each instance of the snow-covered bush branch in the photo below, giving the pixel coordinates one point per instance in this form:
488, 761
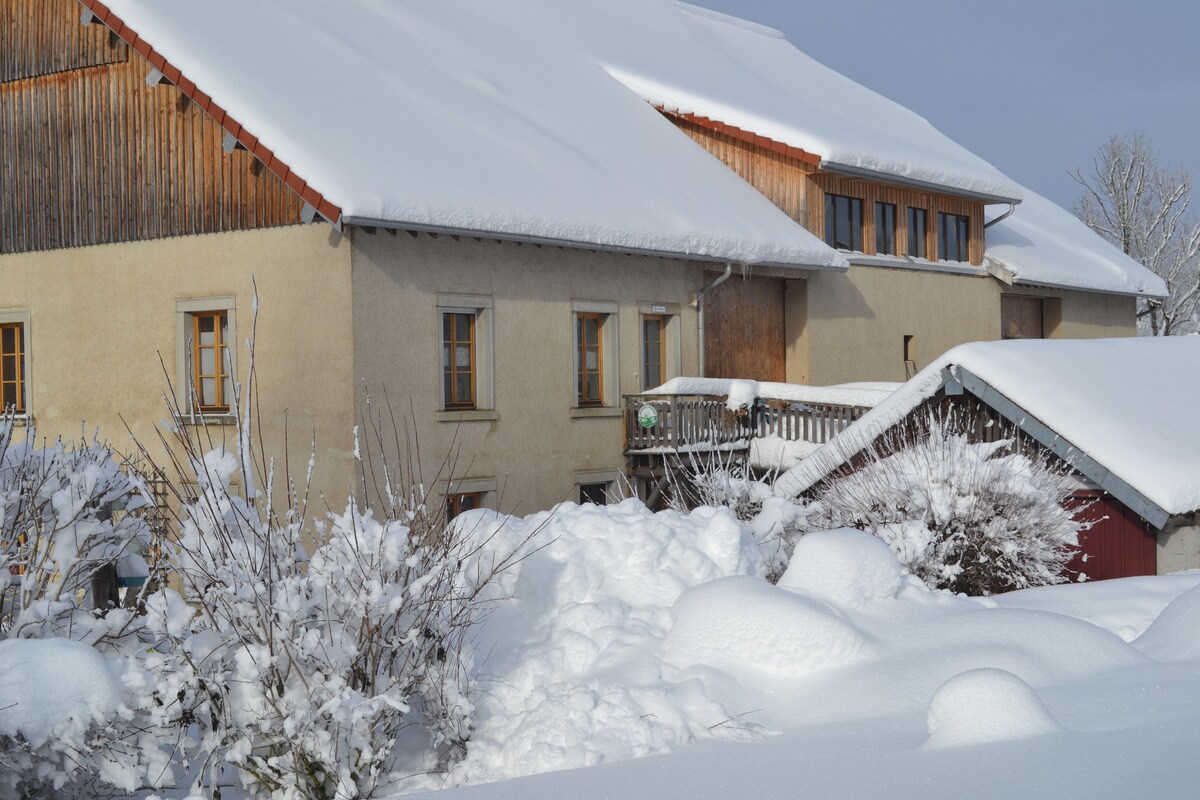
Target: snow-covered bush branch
978, 518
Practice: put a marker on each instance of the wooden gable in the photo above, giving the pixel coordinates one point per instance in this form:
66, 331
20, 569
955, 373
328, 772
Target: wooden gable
91, 154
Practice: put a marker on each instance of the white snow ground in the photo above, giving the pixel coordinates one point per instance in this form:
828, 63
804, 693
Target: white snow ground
639, 634
827, 688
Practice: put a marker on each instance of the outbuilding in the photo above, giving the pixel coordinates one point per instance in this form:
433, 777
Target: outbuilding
1120, 412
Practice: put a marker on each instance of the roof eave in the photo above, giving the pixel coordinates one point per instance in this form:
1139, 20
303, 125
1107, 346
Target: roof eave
926, 186
508, 236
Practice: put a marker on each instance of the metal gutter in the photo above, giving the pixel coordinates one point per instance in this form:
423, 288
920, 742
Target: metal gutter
956, 379
504, 236
884, 177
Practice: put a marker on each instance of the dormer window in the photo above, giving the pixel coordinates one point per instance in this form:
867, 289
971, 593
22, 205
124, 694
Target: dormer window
953, 237
844, 222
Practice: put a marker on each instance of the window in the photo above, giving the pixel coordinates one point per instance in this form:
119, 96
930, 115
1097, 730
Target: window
953, 240
462, 501
590, 359
467, 494
885, 229
595, 384
598, 486
205, 355
458, 359
465, 357
654, 350
12, 367
843, 222
916, 233
212, 379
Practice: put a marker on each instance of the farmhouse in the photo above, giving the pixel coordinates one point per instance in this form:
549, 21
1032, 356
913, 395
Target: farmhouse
1116, 410
502, 217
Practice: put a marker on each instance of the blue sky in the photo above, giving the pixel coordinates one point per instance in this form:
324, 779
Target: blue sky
1033, 87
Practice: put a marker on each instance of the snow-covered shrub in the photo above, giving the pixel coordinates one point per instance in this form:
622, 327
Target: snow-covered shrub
65, 715
56, 530
978, 518
321, 676
720, 479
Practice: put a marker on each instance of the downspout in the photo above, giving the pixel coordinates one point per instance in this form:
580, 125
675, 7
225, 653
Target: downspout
1011, 208
698, 304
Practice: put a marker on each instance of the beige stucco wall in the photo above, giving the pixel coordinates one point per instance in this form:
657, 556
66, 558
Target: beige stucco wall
1179, 548
101, 317
534, 446
857, 321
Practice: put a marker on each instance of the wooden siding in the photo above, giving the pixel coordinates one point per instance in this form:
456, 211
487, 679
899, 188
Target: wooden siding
780, 177
1021, 317
1119, 543
40, 37
95, 156
744, 330
822, 182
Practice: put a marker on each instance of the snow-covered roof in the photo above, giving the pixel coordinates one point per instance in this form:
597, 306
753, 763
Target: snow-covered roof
1042, 244
536, 118
1123, 406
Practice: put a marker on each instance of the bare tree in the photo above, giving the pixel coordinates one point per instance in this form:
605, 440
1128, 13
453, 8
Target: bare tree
1139, 206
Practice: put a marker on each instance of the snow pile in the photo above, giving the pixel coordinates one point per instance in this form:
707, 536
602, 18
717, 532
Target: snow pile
1041, 244
1175, 634
986, 705
569, 668
55, 690
748, 627
844, 566
742, 393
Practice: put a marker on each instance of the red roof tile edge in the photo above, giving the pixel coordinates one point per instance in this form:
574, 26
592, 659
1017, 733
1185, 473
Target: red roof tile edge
281, 170
749, 137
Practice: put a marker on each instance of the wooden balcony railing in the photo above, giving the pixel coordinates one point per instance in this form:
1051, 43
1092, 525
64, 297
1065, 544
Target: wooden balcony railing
698, 422
683, 422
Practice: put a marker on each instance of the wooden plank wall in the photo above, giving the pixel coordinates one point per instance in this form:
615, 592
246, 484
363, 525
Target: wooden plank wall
744, 329
822, 182
95, 156
40, 37
781, 178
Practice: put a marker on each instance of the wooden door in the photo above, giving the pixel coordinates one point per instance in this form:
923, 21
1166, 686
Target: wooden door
744, 330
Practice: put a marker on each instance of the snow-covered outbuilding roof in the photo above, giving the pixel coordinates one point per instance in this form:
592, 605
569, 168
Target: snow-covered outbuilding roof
1121, 411
536, 118
1042, 244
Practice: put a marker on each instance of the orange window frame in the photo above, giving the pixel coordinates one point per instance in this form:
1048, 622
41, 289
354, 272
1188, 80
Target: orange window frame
450, 369
12, 381
220, 350
585, 345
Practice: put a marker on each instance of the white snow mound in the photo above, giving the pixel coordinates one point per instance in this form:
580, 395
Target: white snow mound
1175, 635
54, 689
986, 705
844, 566
742, 624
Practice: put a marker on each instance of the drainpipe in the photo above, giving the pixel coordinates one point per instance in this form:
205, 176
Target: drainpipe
698, 304
1011, 208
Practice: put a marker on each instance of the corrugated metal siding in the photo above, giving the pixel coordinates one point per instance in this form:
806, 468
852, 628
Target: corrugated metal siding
39, 37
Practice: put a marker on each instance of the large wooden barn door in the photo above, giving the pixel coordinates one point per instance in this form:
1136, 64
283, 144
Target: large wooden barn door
743, 330
1118, 545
